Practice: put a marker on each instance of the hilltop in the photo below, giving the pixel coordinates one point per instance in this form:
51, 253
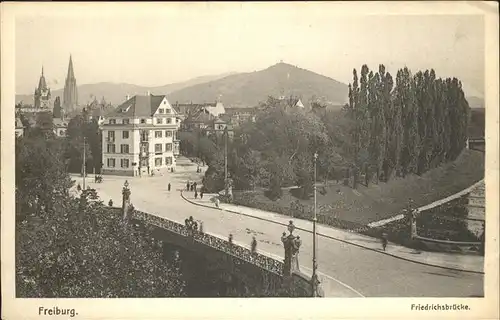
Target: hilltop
248, 89
115, 92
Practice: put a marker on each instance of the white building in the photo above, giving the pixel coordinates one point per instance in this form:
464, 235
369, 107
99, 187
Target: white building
60, 127
140, 137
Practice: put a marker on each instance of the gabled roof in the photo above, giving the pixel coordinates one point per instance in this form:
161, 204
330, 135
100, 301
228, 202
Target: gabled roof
138, 106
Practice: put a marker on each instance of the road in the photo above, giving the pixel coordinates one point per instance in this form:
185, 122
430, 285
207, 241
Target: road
345, 270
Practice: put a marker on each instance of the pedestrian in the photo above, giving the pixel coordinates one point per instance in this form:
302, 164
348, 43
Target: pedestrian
201, 194
384, 240
169, 186
217, 202
110, 203
195, 184
195, 226
254, 245
195, 194
187, 186
192, 187
230, 239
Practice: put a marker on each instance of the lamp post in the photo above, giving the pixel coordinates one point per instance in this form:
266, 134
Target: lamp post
314, 279
225, 161
83, 165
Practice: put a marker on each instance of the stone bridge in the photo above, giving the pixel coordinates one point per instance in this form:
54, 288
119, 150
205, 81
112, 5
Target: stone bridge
277, 275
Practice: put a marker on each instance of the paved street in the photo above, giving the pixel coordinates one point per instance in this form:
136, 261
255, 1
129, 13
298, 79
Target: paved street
345, 270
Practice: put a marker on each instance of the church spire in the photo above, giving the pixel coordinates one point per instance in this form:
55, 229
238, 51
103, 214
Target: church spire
42, 70
71, 74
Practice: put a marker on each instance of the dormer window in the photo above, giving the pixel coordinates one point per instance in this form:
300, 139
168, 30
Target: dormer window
112, 121
161, 110
167, 110
126, 121
143, 120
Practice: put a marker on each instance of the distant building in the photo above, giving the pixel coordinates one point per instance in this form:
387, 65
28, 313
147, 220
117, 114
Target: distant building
240, 115
97, 110
60, 127
70, 97
19, 128
140, 137
42, 95
213, 109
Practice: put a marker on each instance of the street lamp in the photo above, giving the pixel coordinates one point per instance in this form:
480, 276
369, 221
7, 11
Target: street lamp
314, 280
84, 169
226, 179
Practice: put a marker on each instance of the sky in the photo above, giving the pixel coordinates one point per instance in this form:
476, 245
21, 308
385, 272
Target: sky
173, 43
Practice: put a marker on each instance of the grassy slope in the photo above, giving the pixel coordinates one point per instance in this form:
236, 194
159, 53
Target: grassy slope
376, 202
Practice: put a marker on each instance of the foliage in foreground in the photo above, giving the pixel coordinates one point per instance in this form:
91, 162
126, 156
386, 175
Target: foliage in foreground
67, 247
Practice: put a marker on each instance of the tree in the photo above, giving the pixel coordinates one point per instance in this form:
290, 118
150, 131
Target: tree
40, 174
66, 247
57, 112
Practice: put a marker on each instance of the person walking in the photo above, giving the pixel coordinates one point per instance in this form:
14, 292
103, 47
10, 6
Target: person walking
110, 203
195, 185
230, 239
169, 186
195, 194
217, 202
187, 186
384, 240
254, 245
201, 193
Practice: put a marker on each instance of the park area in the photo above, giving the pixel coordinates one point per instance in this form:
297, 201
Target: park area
347, 208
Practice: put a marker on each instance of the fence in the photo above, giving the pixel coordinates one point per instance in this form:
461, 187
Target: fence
219, 244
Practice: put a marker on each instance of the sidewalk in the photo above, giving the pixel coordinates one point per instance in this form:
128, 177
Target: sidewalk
466, 263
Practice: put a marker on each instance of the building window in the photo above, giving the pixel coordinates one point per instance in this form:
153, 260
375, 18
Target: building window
158, 147
168, 147
111, 163
159, 120
161, 110
158, 161
168, 133
124, 148
168, 161
143, 120
126, 121
112, 121
158, 134
169, 120
124, 163
111, 136
125, 134
167, 110
144, 163
111, 148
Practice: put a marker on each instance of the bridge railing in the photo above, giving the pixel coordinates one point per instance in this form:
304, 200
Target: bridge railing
260, 260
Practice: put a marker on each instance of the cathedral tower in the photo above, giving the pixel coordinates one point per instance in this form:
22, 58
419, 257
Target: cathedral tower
70, 97
42, 94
